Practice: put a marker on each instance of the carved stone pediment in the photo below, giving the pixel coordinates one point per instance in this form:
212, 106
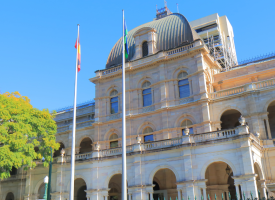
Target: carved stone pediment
143, 31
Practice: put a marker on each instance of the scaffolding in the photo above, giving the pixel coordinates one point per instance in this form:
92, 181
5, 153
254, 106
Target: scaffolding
221, 51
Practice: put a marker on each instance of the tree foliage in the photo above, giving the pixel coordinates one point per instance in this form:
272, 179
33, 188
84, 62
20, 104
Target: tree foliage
22, 128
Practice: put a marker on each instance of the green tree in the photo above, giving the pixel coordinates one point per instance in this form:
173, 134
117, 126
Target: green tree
22, 128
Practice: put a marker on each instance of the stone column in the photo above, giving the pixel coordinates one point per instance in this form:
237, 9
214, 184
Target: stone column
206, 117
151, 195
204, 193
268, 128
250, 186
237, 191
263, 186
227, 195
179, 194
140, 194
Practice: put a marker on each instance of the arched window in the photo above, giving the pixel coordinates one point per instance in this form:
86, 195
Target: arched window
147, 136
184, 90
86, 145
114, 102
187, 123
144, 49
10, 196
146, 94
113, 140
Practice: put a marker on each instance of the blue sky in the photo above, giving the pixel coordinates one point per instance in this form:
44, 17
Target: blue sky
37, 39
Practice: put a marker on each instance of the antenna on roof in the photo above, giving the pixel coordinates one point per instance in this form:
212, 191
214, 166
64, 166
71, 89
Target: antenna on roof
163, 12
178, 7
157, 7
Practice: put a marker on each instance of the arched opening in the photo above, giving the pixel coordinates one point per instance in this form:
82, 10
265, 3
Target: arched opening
114, 101
271, 118
187, 123
220, 181
113, 140
57, 153
147, 136
144, 49
115, 187
86, 145
10, 196
41, 191
79, 189
230, 119
146, 94
165, 184
259, 177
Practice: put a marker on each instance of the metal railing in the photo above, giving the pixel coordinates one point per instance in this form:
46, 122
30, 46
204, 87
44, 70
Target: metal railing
257, 58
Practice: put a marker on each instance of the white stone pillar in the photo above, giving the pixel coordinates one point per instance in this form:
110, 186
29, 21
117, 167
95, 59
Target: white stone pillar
151, 195
179, 194
227, 195
204, 194
237, 191
140, 194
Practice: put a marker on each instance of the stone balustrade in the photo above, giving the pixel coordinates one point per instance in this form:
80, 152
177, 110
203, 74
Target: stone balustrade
160, 144
78, 126
144, 60
180, 49
244, 88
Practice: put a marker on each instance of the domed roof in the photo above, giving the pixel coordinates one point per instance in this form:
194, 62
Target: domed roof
171, 30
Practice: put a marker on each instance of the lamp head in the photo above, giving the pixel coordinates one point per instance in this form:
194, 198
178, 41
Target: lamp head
43, 159
46, 179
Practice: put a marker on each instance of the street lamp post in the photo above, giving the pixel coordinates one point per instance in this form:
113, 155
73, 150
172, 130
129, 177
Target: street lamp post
48, 196
46, 180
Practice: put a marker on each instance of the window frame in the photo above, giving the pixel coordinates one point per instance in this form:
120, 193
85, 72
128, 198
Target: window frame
190, 126
113, 95
143, 47
113, 140
182, 85
144, 88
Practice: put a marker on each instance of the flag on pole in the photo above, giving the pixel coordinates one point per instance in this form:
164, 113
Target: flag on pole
78, 52
125, 40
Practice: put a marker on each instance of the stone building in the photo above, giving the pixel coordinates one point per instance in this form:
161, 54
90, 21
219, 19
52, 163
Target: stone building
193, 129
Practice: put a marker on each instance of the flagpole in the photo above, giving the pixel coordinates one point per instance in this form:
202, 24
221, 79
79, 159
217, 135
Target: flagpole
124, 170
74, 123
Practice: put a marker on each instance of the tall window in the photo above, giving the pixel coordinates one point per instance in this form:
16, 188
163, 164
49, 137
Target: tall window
144, 49
113, 140
114, 102
147, 136
146, 94
187, 123
184, 90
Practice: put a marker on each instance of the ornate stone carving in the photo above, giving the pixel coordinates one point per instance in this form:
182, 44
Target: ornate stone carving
186, 131
242, 120
138, 138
